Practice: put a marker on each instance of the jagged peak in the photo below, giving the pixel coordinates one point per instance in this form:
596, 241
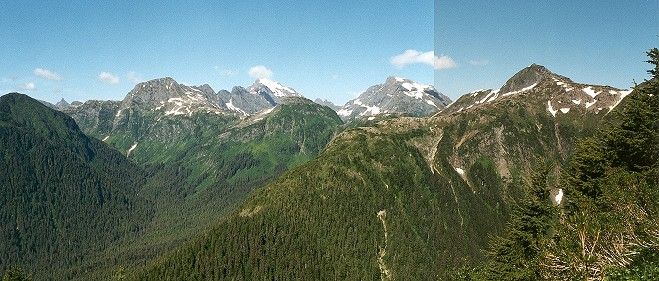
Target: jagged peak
238, 89
408, 84
527, 77
326, 102
161, 80
164, 82
207, 89
274, 87
396, 79
62, 104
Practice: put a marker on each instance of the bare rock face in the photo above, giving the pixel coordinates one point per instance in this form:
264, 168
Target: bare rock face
242, 102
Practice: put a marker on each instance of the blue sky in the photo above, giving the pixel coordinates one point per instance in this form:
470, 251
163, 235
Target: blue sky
598, 42
320, 48
83, 50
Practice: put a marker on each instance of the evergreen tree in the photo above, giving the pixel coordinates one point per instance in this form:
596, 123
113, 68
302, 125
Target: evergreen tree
517, 254
654, 59
16, 274
611, 211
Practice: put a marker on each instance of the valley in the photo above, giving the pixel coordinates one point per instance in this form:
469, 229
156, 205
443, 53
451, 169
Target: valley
262, 183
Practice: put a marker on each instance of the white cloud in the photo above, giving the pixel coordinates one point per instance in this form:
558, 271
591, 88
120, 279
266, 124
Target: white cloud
259, 71
108, 78
428, 58
47, 74
134, 77
479, 62
28, 86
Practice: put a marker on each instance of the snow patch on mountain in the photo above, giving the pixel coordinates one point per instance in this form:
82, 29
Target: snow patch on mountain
565, 85
589, 91
476, 92
371, 110
623, 94
232, 107
415, 90
551, 109
558, 197
344, 112
487, 97
278, 90
395, 96
131, 149
520, 91
589, 104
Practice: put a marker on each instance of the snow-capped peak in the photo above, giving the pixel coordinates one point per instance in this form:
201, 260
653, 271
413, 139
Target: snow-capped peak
395, 96
413, 89
277, 89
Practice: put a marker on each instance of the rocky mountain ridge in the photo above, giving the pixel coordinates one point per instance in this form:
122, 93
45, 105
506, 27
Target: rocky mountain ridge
559, 94
395, 96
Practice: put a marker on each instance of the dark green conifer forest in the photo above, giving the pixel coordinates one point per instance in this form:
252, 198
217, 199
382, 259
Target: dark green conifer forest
63, 196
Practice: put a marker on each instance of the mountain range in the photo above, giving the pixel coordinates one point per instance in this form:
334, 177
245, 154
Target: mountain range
418, 195
397, 96
262, 183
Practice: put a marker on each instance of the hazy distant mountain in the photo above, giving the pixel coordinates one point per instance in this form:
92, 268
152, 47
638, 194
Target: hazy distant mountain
395, 96
327, 103
62, 104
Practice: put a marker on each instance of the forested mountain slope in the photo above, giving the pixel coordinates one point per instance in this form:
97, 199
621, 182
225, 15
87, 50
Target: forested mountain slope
202, 163
408, 198
63, 196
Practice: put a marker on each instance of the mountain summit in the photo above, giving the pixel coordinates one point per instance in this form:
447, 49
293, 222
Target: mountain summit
264, 94
272, 88
539, 86
395, 96
168, 95
62, 104
526, 77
